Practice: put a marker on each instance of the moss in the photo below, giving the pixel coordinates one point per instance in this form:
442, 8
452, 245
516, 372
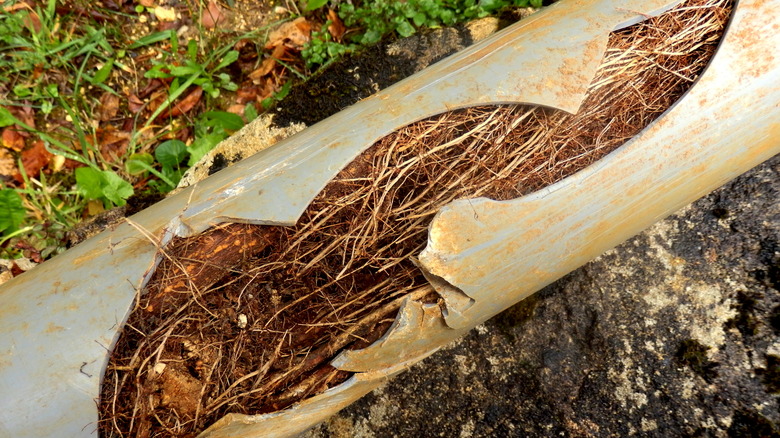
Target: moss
693, 354
751, 424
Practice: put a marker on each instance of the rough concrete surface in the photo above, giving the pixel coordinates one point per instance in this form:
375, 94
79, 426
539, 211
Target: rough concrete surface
673, 333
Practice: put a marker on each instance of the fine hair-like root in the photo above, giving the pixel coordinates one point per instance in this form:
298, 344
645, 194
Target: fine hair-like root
246, 319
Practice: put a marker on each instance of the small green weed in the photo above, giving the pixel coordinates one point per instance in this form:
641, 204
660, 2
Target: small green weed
268, 102
376, 18
322, 50
190, 70
173, 157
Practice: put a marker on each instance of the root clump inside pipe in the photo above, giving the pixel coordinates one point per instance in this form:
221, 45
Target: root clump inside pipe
246, 318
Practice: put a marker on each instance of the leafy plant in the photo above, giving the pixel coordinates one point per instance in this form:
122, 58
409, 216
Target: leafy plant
12, 211
173, 157
92, 181
321, 49
104, 185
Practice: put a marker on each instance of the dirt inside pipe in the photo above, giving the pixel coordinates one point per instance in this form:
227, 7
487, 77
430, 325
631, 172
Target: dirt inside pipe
246, 319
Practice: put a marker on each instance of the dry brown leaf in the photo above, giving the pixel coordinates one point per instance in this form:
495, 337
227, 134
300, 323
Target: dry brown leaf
95, 207
268, 64
237, 109
34, 159
32, 21
146, 3
184, 105
112, 142
26, 114
156, 99
12, 139
294, 34
37, 71
151, 87
162, 26
134, 104
268, 89
246, 93
336, 27
16, 7
109, 106
212, 16
7, 164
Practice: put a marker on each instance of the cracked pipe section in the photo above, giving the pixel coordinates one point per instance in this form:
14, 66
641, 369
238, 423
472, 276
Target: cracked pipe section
493, 252
483, 255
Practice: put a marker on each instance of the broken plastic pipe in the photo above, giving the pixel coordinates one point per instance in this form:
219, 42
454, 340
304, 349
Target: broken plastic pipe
58, 322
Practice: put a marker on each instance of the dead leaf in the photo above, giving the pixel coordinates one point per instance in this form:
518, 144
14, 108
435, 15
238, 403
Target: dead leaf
294, 34
16, 7
57, 163
7, 164
112, 142
12, 139
37, 71
32, 21
269, 88
109, 106
134, 104
303, 25
156, 99
162, 26
26, 114
246, 93
237, 109
34, 159
151, 87
268, 64
165, 14
146, 3
95, 207
184, 105
71, 165
31, 253
212, 16
336, 27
